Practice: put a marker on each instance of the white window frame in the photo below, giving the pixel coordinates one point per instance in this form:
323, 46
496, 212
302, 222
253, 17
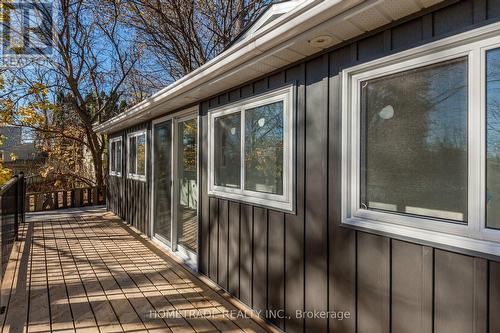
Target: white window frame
473, 236
118, 159
285, 202
134, 175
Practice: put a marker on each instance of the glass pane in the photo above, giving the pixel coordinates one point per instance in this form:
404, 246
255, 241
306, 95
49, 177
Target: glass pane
264, 149
414, 142
141, 155
132, 155
227, 148
187, 226
493, 139
113, 156
162, 180
119, 156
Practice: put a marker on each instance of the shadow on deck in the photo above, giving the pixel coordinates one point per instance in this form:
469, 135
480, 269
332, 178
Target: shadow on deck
85, 270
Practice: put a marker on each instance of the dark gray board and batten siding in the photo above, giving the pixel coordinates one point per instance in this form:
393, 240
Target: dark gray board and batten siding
307, 261
129, 198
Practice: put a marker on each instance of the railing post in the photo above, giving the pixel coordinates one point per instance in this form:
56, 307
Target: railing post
78, 197
56, 200
16, 208
65, 199
38, 202
95, 196
22, 184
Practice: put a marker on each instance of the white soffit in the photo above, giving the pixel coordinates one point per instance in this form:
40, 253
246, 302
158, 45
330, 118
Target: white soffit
396, 9
370, 18
270, 46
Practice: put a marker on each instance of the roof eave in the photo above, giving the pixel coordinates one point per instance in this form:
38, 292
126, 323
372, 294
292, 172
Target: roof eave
235, 63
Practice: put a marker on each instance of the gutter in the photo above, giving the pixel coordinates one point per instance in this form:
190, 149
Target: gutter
284, 28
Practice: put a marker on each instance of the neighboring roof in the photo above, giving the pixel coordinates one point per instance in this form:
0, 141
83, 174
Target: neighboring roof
22, 152
267, 46
12, 135
14, 144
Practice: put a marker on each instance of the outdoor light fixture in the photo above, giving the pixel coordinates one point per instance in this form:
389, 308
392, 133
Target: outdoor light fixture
321, 41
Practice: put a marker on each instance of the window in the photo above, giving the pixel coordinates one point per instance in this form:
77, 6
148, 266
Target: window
421, 144
228, 155
251, 150
137, 155
115, 156
264, 148
414, 141
493, 138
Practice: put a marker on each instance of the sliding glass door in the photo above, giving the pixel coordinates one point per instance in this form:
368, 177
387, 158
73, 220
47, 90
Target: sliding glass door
162, 184
175, 185
187, 181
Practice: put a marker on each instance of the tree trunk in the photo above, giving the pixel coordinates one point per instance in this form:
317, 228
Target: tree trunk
98, 170
97, 151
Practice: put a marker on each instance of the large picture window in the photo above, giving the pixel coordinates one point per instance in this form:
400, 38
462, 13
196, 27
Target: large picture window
251, 150
414, 141
493, 138
136, 155
421, 138
115, 156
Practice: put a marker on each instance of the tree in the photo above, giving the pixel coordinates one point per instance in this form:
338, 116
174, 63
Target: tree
108, 55
183, 35
5, 173
84, 81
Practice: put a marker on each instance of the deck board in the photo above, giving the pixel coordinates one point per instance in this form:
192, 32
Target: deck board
87, 272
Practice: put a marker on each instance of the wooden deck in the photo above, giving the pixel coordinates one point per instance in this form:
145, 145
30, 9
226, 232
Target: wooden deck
86, 271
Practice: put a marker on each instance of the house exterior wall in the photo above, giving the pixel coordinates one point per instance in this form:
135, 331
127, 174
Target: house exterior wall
129, 198
306, 261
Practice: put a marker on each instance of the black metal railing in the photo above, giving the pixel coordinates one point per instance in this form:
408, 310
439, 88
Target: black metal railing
12, 203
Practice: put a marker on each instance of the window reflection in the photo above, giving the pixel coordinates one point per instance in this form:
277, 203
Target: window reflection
493, 139
118, 162
264, 148
133, 152
414, 142
141, 155
187, 230
227, 150
162, 179
113, 156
